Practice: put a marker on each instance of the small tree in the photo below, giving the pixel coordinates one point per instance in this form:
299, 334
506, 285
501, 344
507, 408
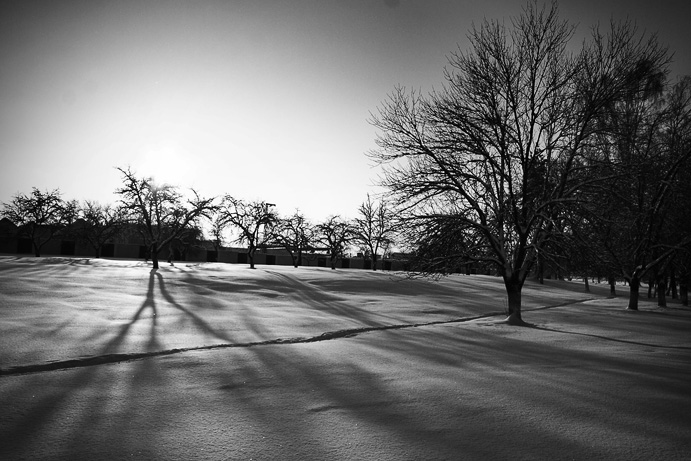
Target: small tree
374, 228
254, 221
159, 210
294, 234
101, 224
334, 234
39, 215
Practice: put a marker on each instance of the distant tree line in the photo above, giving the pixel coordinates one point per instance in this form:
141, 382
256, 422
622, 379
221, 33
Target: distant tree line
162, 217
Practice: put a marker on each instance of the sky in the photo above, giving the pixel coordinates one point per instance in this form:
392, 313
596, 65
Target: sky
260, 99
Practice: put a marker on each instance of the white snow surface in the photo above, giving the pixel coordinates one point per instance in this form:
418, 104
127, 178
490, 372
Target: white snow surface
108, 359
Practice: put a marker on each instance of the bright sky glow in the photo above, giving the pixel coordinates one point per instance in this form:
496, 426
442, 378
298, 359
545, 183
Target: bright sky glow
259, 99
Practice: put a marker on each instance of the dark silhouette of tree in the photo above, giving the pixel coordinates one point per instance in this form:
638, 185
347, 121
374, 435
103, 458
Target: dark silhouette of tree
100, 224
159, 211
293, 233
334, 234
490, 163
253, 220
374, 228
40, 215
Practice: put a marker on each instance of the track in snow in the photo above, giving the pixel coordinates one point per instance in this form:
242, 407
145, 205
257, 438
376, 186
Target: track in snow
327, 336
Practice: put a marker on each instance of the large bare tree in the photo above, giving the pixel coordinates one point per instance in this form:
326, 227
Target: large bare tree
160, 211
487, 164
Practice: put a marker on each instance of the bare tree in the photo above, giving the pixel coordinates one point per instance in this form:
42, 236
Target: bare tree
39, 215
374, 228
159, 210
253, 220
294, 234
489, 163
335, 234
101, 224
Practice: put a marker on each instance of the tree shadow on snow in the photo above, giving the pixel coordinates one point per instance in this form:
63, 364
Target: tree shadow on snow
609, 338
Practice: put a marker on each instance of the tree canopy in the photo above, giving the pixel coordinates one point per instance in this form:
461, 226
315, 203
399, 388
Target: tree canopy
160, 211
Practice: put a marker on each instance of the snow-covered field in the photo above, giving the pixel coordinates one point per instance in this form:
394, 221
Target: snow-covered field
106, 359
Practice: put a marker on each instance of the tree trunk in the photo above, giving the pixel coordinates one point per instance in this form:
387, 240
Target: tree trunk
374, 261
250, 258
661, 289
513, 291
633, 293
154, 256
587, 285
684, 293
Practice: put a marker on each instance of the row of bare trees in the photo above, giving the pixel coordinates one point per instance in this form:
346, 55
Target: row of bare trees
260, 226
535, 152
161, 216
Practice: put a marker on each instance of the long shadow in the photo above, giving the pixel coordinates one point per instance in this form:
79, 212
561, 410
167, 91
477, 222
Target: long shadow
607, 338
314, 297
43, 410
351, 391
324, 301
487, 378
197, 320
532, 379
111, 351
149, 303
40, 413
490, 379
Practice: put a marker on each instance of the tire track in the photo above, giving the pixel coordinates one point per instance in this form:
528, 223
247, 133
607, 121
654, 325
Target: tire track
327, 336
